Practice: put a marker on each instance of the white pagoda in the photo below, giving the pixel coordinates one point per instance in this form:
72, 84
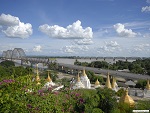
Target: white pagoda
85, 80
114, 85
49, 82
78, 84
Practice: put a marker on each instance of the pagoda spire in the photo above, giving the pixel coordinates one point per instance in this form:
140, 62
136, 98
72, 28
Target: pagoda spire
84, 74
48, 77
97, 82
148, 85
108, 85
78, 78
37, 75
114, 83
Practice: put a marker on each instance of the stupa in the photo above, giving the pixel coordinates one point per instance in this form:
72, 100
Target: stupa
49, 81
126, 99
147, 90
97, 84
114, 85
108, 85
78, 84
37, 79
85, 80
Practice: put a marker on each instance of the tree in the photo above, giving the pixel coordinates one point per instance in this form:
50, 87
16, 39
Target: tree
108, 102
7, 63
141, 84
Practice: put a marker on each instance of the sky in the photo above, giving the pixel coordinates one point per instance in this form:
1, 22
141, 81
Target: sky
97, 28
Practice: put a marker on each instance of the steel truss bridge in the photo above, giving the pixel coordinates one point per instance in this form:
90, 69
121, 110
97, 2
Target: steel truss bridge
19, 54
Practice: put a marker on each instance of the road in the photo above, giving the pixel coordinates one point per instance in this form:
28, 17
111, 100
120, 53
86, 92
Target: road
111, 72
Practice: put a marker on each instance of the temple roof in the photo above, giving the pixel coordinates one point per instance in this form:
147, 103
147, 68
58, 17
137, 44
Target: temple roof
130, 83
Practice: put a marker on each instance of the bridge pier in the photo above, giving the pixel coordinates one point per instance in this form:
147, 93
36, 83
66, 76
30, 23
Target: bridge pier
21, 62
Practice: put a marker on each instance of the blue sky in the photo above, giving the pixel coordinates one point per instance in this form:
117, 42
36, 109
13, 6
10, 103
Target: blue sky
76, 27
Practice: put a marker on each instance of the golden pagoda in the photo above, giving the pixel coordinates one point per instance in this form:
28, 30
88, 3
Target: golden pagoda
49, 78
37, 79
84, 74
113, 83
78, 78
97, 83
126, 99
148, 85
108, 85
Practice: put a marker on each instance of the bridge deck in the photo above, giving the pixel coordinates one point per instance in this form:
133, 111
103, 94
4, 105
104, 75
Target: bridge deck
111, 72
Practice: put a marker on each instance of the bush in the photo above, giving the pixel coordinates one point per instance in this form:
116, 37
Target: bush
143, 104
120, 92
7, 63
141, 84
107, 100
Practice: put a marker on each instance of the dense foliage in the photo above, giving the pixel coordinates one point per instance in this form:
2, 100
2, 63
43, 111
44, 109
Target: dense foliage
14, 71
94, 77
7, 63
19, 94
138, 66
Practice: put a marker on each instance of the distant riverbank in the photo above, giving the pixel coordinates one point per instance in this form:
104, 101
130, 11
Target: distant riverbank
72, 60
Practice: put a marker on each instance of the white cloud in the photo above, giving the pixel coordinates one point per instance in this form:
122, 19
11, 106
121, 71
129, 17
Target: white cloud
74, 31
141, 47
84, 42
109, 47
68, 49
146, 9
112, 44
148, 1
104, 49
120, 29
15, 28
8, 20
83, 48
37, 48
20, 31
74, 49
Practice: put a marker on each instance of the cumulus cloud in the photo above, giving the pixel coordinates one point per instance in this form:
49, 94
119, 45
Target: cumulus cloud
74, 31
110, 47
15, 28
20, 31
37, 48
83, 48
120, 29
84, 42
68, 49
74, 49
8, 20
141, 48
104, 49
146, 9
112, 44
148, 1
